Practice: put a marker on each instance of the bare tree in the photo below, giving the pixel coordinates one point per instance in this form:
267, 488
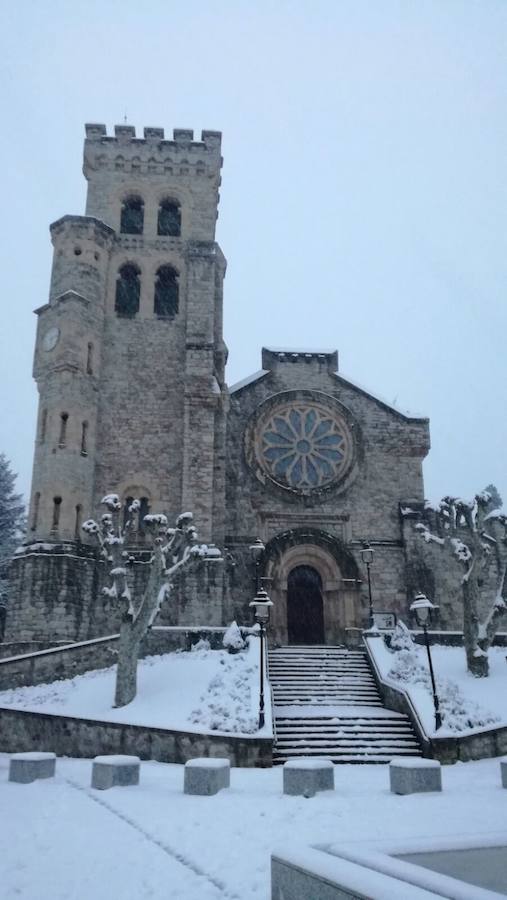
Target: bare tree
472, 532
172, 549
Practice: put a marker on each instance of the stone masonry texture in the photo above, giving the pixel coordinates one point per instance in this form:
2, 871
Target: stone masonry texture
139, 406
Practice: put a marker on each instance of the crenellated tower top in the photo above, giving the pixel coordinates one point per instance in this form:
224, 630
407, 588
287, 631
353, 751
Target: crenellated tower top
154, 168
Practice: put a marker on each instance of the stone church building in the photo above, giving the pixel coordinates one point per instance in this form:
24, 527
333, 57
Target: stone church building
130, 368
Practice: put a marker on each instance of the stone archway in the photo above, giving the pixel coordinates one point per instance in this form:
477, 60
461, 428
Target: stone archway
336, 572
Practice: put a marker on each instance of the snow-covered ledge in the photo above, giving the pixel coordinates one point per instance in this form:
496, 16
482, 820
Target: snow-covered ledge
474, 743
423, 869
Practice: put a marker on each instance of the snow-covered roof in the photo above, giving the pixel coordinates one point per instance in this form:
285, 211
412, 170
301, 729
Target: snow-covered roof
248, 380
404, 412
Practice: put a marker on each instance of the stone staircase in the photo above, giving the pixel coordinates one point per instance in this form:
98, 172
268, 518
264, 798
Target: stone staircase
326, 703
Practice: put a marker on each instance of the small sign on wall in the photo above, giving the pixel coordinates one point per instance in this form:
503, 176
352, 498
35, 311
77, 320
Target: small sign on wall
384, 621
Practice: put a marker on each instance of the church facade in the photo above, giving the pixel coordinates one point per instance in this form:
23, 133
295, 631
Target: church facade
130, 368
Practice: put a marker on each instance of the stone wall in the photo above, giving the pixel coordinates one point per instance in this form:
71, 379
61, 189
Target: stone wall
46, 665
56, 594
85, 738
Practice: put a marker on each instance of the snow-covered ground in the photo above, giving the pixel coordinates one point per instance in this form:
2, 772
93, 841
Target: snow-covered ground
63, 841
480, 700
201, 690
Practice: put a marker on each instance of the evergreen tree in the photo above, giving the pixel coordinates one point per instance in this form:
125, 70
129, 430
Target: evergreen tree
12, 520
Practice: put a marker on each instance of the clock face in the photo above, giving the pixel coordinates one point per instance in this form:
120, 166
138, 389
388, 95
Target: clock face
50, 339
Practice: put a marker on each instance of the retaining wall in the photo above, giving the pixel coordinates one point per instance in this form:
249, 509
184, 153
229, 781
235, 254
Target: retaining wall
22, 731
69, 660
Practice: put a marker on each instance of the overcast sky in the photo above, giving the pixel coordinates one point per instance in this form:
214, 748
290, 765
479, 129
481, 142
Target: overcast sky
363, 203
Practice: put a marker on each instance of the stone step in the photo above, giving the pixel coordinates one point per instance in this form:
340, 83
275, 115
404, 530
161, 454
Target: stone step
309, 678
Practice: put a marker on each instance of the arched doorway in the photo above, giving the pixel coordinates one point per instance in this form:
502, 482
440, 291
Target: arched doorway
305, 609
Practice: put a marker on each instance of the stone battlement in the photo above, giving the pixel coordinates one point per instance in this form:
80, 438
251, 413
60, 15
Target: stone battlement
273, 356
154, 138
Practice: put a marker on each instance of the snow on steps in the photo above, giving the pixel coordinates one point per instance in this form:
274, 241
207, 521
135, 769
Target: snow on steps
326, 703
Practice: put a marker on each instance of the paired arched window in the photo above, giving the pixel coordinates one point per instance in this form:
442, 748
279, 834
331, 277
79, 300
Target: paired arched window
169, 218
166, 292
128, 290
132, 215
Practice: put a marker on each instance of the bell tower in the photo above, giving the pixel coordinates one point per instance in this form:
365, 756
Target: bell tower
129, 357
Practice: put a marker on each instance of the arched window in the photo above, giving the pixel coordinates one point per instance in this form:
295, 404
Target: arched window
89, 360
77, 522
35, 514
166, 292
57, 504
128, 291
43, 425
132, 215
169, 218
84, 436
62, 440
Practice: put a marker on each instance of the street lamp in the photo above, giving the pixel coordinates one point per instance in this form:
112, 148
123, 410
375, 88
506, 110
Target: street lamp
422, 609
367, 554
262, 608
257, 549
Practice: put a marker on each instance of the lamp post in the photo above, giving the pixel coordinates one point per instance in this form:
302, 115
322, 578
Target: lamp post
367, 558
422, 609
262, 608
257, 549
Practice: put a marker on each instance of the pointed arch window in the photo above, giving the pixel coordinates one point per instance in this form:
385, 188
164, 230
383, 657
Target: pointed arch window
166, 292
169, 218
128, 291
132, 215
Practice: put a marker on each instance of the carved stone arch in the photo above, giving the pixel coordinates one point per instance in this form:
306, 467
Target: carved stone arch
338, 573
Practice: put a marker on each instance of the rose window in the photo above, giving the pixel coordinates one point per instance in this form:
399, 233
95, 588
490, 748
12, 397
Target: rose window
303, 446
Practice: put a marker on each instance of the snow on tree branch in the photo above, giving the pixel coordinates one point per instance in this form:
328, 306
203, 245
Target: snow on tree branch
172, 550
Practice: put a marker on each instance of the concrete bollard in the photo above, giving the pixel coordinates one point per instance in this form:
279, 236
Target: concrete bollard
414, 775
115, 771
27, 767
206, 776
304, 777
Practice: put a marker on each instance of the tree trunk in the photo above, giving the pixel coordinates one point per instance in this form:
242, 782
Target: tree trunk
126, 670
477, 659
132, 631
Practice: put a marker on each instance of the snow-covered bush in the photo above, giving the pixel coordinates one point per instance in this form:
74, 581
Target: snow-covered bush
202, 646
401, 639
408, 667
233, 639
458, 712
227, 704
